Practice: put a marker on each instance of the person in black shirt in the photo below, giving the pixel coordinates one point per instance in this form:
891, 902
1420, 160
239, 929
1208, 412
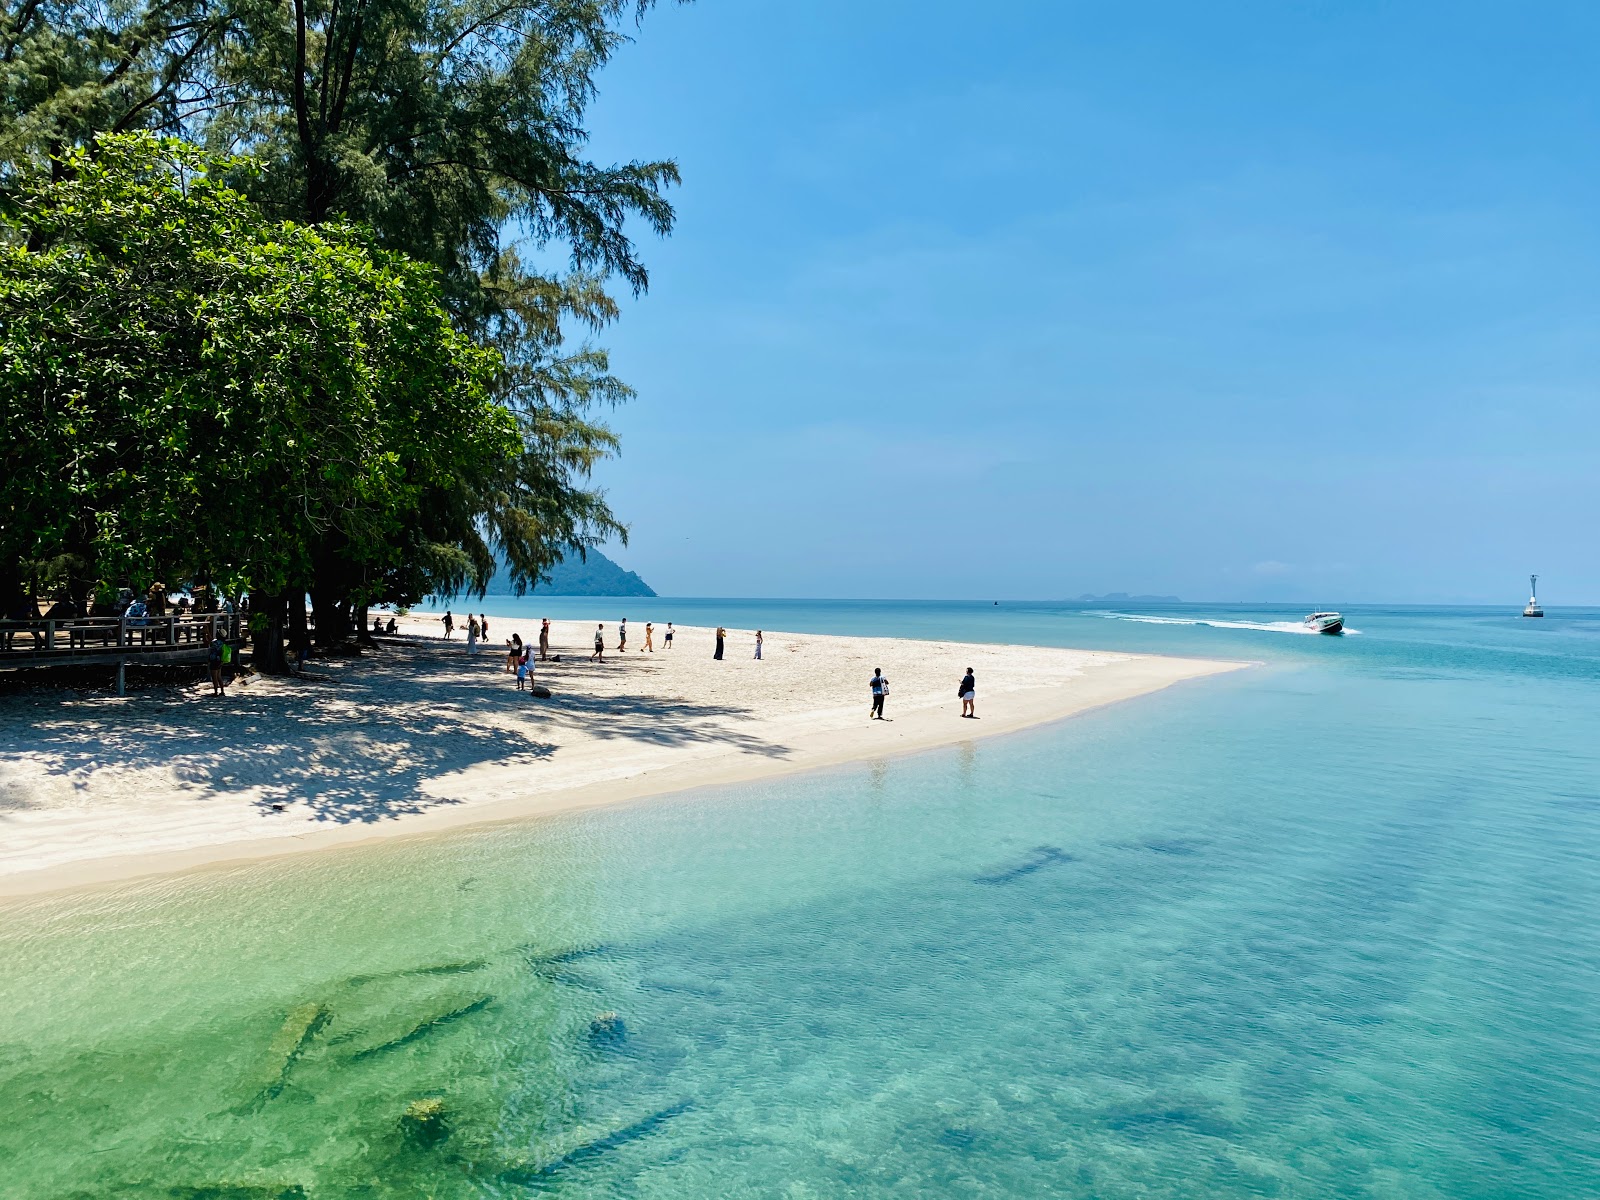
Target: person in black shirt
967, 689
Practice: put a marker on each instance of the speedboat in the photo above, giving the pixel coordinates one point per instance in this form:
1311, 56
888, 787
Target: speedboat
1325, 623
1533, 609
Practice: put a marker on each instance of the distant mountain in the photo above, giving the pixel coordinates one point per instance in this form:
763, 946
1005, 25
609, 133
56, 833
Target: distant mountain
596, 575
1124, 598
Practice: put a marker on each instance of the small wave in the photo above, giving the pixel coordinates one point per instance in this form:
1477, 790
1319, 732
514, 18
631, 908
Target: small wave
1218, 623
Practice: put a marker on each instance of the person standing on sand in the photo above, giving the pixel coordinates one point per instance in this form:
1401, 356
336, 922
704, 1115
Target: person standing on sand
649, 639
524, 667
667, 641
599, 644
967, 689
880, 692
544, 638
472, 634
449, 624
622, 635
214, 660
483, 627
722, 636
513, 652
758, 645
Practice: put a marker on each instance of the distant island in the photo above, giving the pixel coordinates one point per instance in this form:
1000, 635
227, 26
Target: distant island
1124, 598
595, 575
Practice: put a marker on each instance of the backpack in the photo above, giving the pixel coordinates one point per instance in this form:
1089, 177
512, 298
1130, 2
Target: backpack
227, 653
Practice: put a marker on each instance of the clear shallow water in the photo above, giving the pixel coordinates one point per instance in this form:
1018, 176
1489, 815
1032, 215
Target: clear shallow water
1326, 928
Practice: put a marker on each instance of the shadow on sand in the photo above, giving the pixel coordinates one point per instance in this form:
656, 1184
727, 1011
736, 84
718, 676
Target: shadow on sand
361, 747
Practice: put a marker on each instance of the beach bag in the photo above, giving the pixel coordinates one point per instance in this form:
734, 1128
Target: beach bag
227, 653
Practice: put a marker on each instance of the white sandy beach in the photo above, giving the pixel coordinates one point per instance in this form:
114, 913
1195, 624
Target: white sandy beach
421, 736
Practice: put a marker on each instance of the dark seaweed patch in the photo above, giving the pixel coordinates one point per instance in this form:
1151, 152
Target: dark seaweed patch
574, 954
705, 991
1155, 1120
958, 1137
453, 968
1178, 846
1042, 857
423, 1028
587, 1152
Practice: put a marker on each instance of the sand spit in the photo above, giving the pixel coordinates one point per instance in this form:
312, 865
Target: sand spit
422, 736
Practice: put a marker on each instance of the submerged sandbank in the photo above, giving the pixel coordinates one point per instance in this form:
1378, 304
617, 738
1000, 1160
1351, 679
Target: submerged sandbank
422, 736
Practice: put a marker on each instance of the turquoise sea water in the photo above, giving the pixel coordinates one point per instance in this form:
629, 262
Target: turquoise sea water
1323, 928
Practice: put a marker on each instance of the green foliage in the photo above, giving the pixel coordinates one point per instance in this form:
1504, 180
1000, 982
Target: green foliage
448, 131
211, 394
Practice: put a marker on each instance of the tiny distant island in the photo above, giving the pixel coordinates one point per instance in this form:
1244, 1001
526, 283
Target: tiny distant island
1125, 598
595, 575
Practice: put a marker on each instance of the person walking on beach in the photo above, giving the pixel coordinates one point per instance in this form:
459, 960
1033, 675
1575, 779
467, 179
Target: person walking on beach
214, 660
524, 667
722, 636
483, 627
449, 624
622, 635
967, 689
649, 636
758, 645
544, 638
667, 641
879, 684
599, 644
513, 651
472, 634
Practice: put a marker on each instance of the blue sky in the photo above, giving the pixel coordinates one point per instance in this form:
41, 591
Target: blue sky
1229, 301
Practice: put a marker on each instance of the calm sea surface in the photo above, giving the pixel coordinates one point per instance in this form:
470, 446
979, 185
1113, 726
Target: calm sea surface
1326, 928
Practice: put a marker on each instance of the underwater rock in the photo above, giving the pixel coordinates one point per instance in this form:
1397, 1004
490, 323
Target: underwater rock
425, 1122
607, 1029
288, 1044
427, 1025
540, 691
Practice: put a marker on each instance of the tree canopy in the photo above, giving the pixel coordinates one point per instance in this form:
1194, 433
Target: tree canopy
451, 132
210, 392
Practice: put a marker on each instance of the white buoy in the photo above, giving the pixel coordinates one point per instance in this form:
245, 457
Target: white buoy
1533, 609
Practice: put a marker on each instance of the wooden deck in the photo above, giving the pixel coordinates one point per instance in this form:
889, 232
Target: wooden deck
113, 642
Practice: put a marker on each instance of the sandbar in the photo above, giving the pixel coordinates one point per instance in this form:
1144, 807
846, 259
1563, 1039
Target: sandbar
422, 736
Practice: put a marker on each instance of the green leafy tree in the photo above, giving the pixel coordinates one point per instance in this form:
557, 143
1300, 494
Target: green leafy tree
214, 395
449, 128
454, 130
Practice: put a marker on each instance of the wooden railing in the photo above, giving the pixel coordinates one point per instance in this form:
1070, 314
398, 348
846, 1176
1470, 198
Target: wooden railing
48, 638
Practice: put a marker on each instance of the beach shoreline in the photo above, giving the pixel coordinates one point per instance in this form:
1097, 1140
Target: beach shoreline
423, 738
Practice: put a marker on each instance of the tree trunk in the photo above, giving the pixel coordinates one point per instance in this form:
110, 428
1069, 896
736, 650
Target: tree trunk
364, 626
298, 634
266, 635
328, 629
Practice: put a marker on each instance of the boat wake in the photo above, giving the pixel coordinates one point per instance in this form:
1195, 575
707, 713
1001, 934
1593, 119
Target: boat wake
1297, 627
